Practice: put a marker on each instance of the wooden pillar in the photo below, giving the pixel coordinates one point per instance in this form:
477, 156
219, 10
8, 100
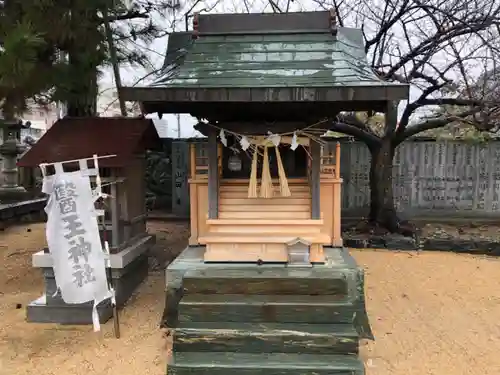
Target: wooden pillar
315, 180
213, 176
337, 160
192, 160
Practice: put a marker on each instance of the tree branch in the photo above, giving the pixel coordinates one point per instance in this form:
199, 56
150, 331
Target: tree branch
127, 16
473, 26
371, 140
276, 8
453, 101
433, 124
336, 7
386, 26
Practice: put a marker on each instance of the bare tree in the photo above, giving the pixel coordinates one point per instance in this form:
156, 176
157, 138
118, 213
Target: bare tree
442, 49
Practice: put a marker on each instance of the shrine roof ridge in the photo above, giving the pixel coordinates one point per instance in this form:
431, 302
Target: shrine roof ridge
265, 23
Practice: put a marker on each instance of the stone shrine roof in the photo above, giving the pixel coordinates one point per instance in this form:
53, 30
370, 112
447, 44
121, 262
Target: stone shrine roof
79, 138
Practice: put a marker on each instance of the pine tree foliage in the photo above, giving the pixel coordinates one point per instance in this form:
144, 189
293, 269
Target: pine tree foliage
54, 50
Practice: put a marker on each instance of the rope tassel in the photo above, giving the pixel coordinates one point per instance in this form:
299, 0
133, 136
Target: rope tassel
253, 185
284, 189
266, 185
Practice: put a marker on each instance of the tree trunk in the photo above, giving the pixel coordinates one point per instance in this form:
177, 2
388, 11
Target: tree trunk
82, 96
85, 58
382, 209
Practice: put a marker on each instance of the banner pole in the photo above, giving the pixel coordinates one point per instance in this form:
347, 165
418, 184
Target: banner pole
109, 270
116, 321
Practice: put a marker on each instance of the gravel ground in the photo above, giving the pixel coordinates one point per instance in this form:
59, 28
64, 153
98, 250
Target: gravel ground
465, 231
432, 314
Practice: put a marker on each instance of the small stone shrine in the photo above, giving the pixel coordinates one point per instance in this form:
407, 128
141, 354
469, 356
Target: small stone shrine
122, 177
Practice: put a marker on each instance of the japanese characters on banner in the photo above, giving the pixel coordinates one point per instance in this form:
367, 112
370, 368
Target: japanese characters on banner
73, 238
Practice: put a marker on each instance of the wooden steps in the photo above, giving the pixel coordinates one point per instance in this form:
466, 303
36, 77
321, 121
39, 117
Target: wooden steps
226, 201
257, 229
196, 363
264, 214
268, 246
286, 222
278, 238
265, 227
235, 204
244, 187
252, 238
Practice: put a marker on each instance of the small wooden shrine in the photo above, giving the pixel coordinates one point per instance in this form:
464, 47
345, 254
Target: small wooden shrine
265, 285
124, 141
258, 202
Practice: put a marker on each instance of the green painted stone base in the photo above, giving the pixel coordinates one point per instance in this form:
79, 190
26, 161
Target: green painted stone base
268, 319
266, 338
266, 308
265, 364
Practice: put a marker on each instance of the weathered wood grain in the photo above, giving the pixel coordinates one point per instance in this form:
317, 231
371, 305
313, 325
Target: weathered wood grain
265, 364
266, 338
266, 308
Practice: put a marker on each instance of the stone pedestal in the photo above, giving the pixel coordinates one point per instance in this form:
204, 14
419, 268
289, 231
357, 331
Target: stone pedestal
128, 268
267, 319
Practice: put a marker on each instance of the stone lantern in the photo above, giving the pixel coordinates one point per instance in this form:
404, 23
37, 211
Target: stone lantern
10, 149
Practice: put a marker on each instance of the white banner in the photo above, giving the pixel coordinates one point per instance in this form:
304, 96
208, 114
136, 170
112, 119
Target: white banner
73, 239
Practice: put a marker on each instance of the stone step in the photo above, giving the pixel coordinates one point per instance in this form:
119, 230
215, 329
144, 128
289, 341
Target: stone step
251, 281
266, 338
266, 308
196, 363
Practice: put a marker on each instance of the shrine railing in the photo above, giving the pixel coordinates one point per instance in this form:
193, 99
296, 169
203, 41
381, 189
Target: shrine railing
198, 160
330, 163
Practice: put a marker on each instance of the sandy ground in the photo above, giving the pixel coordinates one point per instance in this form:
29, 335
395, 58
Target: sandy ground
432, 314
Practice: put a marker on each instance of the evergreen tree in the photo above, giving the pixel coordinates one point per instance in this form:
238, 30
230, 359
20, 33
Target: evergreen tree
54, 50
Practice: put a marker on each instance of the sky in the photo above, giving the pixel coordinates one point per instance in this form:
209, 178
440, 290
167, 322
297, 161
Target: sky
169, 123
156, 52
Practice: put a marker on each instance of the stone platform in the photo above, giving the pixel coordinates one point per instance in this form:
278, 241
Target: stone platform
267, 319
27, 210
129, 268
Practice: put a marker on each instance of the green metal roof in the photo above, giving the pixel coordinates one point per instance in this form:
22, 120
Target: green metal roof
271, 60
